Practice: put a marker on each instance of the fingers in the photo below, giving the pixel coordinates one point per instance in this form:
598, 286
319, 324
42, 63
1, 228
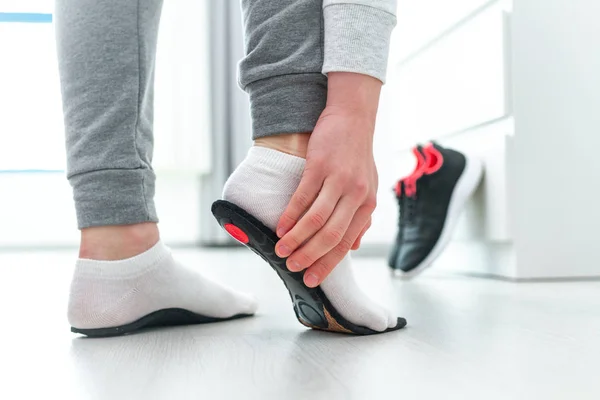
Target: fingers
310, 223
331, 234
319, 270
303, 198
356, 244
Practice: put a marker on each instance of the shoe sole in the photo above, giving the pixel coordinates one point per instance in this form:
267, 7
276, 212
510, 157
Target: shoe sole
465, 187
311, 306
168, 317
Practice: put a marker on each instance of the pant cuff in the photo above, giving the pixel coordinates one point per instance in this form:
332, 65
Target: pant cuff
114, 197
286, 103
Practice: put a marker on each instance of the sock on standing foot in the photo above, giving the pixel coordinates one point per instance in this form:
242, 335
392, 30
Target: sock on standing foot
107, 294
263, 185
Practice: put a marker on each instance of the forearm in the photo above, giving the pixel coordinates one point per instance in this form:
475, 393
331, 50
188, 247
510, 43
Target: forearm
357, 36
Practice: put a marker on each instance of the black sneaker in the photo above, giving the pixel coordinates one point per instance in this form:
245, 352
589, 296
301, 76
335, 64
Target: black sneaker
431, 200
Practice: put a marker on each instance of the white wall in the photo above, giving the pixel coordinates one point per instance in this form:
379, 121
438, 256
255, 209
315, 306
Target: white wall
554, 172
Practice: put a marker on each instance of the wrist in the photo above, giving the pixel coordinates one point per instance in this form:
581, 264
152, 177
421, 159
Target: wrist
353, 93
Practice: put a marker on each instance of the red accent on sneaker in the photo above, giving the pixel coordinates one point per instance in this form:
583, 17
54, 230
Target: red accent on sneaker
410, 186
410, 182
236, 233
434, 157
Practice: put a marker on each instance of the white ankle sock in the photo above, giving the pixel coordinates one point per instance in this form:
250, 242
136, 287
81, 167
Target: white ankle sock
107, 294
263, 185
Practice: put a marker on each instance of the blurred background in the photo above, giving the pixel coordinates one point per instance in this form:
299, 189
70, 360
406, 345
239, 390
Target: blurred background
455, 71
515, 83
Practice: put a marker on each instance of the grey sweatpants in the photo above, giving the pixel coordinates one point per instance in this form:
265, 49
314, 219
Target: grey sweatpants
106, 52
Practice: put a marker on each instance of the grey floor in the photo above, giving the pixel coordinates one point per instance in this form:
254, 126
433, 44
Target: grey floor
467, 338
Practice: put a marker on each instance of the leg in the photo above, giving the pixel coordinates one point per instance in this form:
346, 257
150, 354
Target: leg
282, 75
106, 59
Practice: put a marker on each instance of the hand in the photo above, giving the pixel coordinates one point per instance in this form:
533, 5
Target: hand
332, 207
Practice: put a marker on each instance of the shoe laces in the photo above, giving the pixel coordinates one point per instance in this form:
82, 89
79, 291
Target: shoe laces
407, 201
429, 161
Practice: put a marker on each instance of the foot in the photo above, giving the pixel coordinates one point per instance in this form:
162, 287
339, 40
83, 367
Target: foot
113, 297
263, 186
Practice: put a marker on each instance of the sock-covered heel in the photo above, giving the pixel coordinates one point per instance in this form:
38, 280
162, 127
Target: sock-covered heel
312, 307
150, 290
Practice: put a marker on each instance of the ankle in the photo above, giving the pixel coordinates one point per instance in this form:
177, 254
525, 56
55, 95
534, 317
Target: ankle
295, 144
109, 243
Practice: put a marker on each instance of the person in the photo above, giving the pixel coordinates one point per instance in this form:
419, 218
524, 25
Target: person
313, 71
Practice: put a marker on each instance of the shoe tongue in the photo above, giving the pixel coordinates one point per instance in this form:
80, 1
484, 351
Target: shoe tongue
433, 158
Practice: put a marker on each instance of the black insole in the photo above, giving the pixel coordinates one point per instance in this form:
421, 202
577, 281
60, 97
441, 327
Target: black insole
311, 305
160, 318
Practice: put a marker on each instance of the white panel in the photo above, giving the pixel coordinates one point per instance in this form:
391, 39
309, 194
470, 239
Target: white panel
457, 84
553, 157
420, 21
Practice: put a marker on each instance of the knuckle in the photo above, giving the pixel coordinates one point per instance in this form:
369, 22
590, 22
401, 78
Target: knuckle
343, 247
303, 200
306, 259
292, 241
323, 268
332, 237
289, 218
361, 188
371, 203
317, 220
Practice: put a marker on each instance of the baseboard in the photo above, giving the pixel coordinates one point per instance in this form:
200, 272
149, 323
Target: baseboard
464, 257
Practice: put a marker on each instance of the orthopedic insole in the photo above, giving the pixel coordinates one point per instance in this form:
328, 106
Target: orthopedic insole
312, 307
161, 318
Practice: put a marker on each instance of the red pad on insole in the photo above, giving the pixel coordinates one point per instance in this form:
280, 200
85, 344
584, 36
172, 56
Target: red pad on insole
236, 233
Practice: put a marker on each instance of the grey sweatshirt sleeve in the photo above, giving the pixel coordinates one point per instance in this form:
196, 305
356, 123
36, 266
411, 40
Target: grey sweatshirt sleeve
357, 36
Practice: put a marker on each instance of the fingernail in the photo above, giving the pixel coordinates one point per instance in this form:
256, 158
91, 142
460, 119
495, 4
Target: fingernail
284, 251
294, 266
311, 280
281, 232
